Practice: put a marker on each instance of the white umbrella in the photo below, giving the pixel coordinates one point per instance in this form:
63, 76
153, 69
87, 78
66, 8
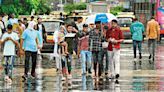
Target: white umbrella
103, 17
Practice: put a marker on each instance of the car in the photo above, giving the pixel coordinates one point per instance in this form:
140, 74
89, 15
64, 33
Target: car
50, 26
125, 19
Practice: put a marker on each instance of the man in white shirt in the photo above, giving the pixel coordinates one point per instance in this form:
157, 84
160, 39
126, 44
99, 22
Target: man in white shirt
10, 41
79, 23
41, 29
31, 23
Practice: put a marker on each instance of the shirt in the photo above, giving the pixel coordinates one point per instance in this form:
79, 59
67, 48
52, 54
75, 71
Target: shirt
137, 29
115, 33
31, 24
13, 21
79, 26
61, 36
84, 41
39, 37
71, 43
29, 36
9, 46
95, 41
153, 29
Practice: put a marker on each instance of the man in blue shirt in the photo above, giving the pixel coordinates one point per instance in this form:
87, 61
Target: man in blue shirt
29, 44
137, 29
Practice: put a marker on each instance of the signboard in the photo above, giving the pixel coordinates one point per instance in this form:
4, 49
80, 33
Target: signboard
160, 18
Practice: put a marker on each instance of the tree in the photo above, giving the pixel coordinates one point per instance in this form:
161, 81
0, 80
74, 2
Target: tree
75, 6
115, 10
24, 7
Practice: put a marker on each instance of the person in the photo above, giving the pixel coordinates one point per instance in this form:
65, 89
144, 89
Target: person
115, 37
61, 16
20, 28
41, 29
91, 26
153, 34
85, 54
61, 40
30, 45
137, 29
79, 23
104, 50
5, 19
96, 47
12, 20
31, 23
10, 41
70, 42
2, 25
25, 22
39, 41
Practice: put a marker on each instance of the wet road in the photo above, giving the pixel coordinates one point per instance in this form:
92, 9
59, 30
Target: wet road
140, 76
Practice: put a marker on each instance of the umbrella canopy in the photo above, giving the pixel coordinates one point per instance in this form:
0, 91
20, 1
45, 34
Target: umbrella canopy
103, 17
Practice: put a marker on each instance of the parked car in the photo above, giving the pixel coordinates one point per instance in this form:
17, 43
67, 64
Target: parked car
125, 20
50, 26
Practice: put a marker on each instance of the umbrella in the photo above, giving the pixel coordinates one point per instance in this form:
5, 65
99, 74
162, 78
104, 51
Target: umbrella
103, 17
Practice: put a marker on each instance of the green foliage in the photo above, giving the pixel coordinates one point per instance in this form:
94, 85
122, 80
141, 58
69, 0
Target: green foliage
117, 9
76, 6
24, 7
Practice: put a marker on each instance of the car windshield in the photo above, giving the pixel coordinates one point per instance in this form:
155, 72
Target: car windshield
125, 22
51, 26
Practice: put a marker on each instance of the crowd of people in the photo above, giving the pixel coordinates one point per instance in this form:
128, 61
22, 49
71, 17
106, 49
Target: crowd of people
92, 43
23, 38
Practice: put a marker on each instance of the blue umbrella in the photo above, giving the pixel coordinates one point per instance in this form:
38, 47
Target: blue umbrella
102, 17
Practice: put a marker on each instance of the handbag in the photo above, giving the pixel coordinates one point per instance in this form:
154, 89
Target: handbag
105, 44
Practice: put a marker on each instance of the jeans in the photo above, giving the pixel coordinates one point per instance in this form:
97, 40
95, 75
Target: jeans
135, 43
33, 55
68, 64
97, 60
151, 46
114, 58
86, 56
105, 54
9, 64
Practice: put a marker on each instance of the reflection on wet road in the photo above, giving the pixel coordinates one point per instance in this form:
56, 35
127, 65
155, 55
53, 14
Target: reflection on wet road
136, 76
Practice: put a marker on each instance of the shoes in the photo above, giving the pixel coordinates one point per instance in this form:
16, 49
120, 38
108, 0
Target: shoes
150, 57
153, 58
69, 76
135, 59
117, 83
117, 76
24, 77
89, 71
140, 56
33, 75
8, 80
111, 77
63, 78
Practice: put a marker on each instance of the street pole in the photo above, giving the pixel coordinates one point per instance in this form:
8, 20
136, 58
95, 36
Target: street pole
65, 1
60, 5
